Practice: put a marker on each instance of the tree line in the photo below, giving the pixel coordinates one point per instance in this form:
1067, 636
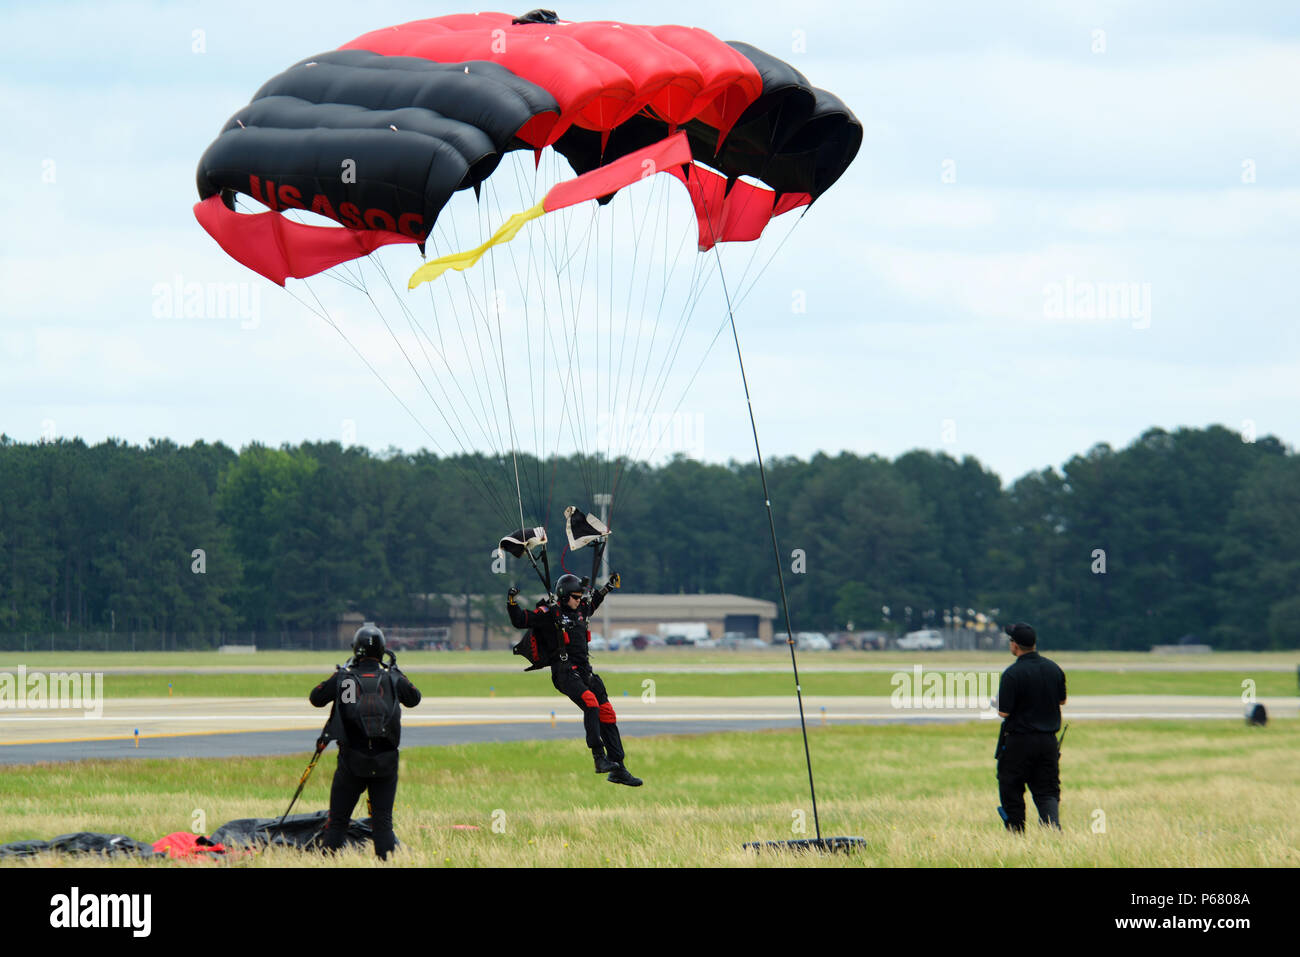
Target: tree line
1192, 532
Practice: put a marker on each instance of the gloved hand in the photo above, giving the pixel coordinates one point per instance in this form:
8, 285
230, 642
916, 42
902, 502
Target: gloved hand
611, 583
511, 595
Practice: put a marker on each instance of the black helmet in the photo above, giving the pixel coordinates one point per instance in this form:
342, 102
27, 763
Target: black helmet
368, 642
568, 585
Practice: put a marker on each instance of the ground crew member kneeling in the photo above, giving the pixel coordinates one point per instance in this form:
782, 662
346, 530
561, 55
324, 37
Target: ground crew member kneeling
367, 723
1030, 696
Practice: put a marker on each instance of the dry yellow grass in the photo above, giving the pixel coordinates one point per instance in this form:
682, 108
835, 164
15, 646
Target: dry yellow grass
1134, 795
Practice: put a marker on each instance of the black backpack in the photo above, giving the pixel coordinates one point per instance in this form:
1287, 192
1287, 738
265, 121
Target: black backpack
537, 648
367, 696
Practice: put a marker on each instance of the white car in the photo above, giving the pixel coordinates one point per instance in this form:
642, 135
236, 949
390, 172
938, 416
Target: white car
925, 640
812, 641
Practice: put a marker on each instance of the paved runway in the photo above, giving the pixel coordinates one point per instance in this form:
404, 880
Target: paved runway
246, 744
217, 727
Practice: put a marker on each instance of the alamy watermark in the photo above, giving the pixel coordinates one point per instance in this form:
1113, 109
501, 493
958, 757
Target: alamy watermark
54, 690
127, 911
1101, 301
180, 299
945, 690
648, 435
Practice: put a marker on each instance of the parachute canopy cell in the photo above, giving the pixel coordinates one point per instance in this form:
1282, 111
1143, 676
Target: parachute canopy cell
380, 134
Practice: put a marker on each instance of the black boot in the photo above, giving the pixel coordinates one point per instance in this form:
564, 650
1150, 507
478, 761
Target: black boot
621, 775
603, 764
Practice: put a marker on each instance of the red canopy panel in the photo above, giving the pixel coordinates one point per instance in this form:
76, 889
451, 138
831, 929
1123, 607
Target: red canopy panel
740, 215
608, 71
280, 248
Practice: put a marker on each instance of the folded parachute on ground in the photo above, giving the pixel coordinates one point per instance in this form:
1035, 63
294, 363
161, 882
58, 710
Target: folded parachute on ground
81, 842
381, 133
298, 830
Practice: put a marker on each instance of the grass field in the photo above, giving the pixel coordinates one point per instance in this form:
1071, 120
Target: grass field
1170, 794
670, 684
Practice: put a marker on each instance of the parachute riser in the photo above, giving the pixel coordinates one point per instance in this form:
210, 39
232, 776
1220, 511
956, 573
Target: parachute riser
544, 577
598, 553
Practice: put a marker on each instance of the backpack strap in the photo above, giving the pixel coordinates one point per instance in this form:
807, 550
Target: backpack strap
334, 726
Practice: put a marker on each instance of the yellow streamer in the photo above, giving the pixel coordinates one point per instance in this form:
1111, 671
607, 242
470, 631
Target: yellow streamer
462, 261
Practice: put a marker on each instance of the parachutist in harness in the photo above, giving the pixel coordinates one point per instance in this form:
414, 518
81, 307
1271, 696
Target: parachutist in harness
558, 636
366, 722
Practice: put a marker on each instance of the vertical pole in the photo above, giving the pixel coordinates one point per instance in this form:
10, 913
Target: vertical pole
776, 548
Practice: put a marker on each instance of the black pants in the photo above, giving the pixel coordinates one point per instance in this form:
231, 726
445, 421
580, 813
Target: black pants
587, 691
1031, 759
358, 772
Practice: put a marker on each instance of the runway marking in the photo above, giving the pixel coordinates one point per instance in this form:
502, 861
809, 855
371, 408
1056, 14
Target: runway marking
194, 734
143, 737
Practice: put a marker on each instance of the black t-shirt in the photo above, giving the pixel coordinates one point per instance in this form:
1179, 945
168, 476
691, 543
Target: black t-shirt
1031, 693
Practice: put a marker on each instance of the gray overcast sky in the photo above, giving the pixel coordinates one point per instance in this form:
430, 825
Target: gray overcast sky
1019, 158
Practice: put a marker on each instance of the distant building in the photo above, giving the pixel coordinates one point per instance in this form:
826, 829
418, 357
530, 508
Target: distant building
624, 612
751, 617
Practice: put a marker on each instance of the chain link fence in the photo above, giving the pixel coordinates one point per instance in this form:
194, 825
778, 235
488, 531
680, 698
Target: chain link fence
39, 641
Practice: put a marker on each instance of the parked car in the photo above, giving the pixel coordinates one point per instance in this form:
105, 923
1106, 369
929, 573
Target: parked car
872, 640
925, 640
812, 641
732, 640
678, 640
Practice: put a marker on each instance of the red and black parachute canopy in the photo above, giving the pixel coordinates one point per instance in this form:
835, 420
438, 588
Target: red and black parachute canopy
428, 108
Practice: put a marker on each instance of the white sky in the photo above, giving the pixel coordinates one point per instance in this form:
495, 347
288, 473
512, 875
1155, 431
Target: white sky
1170, 161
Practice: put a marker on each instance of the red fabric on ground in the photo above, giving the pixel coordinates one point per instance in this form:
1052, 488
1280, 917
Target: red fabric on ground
185, 844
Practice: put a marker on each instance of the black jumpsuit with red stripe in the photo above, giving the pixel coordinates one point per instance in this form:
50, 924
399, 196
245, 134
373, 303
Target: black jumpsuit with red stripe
571, 669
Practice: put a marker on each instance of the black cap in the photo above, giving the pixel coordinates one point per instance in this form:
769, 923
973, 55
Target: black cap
1022, 634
